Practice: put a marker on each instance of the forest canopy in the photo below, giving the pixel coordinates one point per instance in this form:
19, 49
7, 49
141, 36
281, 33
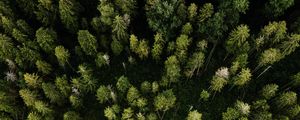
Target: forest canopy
149, 59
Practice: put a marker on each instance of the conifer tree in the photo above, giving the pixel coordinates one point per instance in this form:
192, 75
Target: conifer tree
182, 44
69, 12
7, 47
103, 94
157, 46
286, 99
269, 91
62, 55
275, 8
290, 45
46, 12
43, 66
29, 97
116, 47
237, 41
269, 56
62, 84
205, 11
107, 12
87, 42
32, 80
123, 84
46, 38
52, 93
164, 101
128, 6
71, 115
194, 115
219, 80
243, 77
119, 29
172, 71
192, 12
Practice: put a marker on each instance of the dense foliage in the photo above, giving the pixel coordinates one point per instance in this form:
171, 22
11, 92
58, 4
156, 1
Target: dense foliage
149, 59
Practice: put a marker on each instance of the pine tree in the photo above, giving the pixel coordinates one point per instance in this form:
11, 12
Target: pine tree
52, 93
76, 101
146, 87
132, 96
158, 46
127, 6
290, 45
43, 67
29, 97
286, 99
123, 84
127, 114
270, 56
269, 91
111, 112
119, 29
192, 12
116, 47
46, 38
32, 80
103, 94
62, 55
42, 107
87, 42
172, 71
204, 95
107, 12
219, 80
205, 11
69, 12
276, 8
143, 49
71, 115
243, 77
182, 44
164, 101
194, 115
61, 82
271, 34
46, 12
7, 47
237, 41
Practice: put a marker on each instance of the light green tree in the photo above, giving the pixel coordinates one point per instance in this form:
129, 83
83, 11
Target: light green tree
62, 55
29, 97
46, 38
194, 115
172, 71
32, 80
290, 45
237, 41
6, 47
87, 42
276, 8
269, 56
103, 94
192, 12
119, 29
52, 93
69, 12
164, 101
123, 84
71, 115
158, 46
269, 91
243, 77
286, 99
